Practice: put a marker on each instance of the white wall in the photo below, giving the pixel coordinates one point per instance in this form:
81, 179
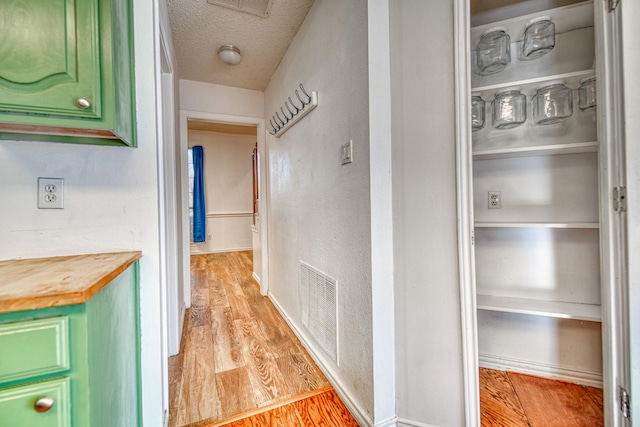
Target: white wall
428, 330
111, 204
211, 98
228, 183
319, 209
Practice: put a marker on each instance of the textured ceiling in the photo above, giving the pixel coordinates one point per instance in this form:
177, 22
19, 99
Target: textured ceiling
199, 29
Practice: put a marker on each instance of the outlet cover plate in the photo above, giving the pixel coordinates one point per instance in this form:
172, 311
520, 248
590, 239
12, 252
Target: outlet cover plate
347, 152
494, 200
50, 193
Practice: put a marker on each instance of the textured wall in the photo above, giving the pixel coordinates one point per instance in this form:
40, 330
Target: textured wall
319, 209
428, 331
111, 204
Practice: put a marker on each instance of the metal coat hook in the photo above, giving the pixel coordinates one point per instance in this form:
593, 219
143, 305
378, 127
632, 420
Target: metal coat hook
291, 112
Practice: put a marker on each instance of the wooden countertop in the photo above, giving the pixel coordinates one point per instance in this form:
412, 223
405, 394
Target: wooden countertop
29, 284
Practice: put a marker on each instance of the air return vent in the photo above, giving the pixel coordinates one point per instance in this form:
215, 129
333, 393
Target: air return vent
318, 297
254, 7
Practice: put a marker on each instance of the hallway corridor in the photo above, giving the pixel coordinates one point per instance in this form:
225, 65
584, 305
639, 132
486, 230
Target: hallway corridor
238, 355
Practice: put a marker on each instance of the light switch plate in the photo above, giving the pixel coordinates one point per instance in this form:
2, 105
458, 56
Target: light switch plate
347, 152
50, 193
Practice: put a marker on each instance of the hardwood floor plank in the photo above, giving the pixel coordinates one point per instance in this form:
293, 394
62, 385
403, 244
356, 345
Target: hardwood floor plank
226, 340
278, 339
499, 404
234, 392
552, 403
300, 375
325, 409
198, 396
596, 395
239, 305
266, 378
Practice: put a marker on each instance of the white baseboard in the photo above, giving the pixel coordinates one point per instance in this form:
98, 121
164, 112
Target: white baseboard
359, 414
255, 277
195, 251
578, 376
404, 422
391, 422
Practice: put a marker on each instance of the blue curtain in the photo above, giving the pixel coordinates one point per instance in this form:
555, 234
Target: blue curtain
199, 215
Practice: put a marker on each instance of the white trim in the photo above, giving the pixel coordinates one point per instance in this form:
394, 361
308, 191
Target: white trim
381, 200
404, 422
578, 376
611, 167
195, 251
391, 422
255, 277
185, 115
359, 413
464, 183
229, 214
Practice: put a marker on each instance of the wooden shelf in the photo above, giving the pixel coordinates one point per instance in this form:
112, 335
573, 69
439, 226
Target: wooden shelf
561, 310
489, 224
538, 150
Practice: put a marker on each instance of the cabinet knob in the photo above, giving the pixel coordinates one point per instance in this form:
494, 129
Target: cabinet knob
83, 103
44, 404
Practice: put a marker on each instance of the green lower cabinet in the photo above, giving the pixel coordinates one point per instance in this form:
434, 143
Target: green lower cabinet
66, 71
82, 358
43, 404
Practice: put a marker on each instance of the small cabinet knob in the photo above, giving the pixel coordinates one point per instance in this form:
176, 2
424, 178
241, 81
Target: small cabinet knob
83, 103
44, 404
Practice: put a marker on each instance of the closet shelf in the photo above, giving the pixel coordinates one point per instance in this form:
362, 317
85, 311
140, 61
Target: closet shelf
538, 150
502, 224
566, 18
561, 310
529, 86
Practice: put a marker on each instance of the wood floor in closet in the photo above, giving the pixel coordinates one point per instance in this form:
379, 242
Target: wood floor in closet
238, 356
509, 399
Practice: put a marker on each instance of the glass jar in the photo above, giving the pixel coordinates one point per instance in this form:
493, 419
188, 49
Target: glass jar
477, 112
493, 52
552, 104
539, 38
509, 109
587, 94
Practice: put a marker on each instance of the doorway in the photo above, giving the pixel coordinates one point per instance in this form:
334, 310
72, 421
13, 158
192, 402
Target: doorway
224, 122
560, 325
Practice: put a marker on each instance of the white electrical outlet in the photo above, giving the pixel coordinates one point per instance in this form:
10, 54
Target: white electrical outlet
50, 193
495, 200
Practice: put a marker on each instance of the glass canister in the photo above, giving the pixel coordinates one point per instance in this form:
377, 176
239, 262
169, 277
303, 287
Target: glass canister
509, 109
552, 104
477, 112
539, 38
587, 94
493, 52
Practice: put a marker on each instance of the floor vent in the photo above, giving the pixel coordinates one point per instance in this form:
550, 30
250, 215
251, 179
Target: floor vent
318, 302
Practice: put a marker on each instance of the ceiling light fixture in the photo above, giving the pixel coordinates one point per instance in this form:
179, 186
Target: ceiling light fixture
229, 54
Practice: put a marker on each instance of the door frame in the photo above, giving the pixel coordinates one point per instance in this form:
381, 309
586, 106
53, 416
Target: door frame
185, 116
615, 317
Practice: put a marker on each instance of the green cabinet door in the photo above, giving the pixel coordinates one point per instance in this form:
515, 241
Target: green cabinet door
49, 57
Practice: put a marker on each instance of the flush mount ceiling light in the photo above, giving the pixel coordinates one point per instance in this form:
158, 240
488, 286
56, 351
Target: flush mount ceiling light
229, 54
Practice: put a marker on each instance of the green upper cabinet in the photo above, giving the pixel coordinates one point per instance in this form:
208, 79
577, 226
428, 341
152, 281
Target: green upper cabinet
66, 71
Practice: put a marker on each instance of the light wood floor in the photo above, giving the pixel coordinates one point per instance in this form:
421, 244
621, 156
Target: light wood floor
237, 353
508, 399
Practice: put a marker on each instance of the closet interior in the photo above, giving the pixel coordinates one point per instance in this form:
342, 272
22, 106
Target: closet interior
536, 191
